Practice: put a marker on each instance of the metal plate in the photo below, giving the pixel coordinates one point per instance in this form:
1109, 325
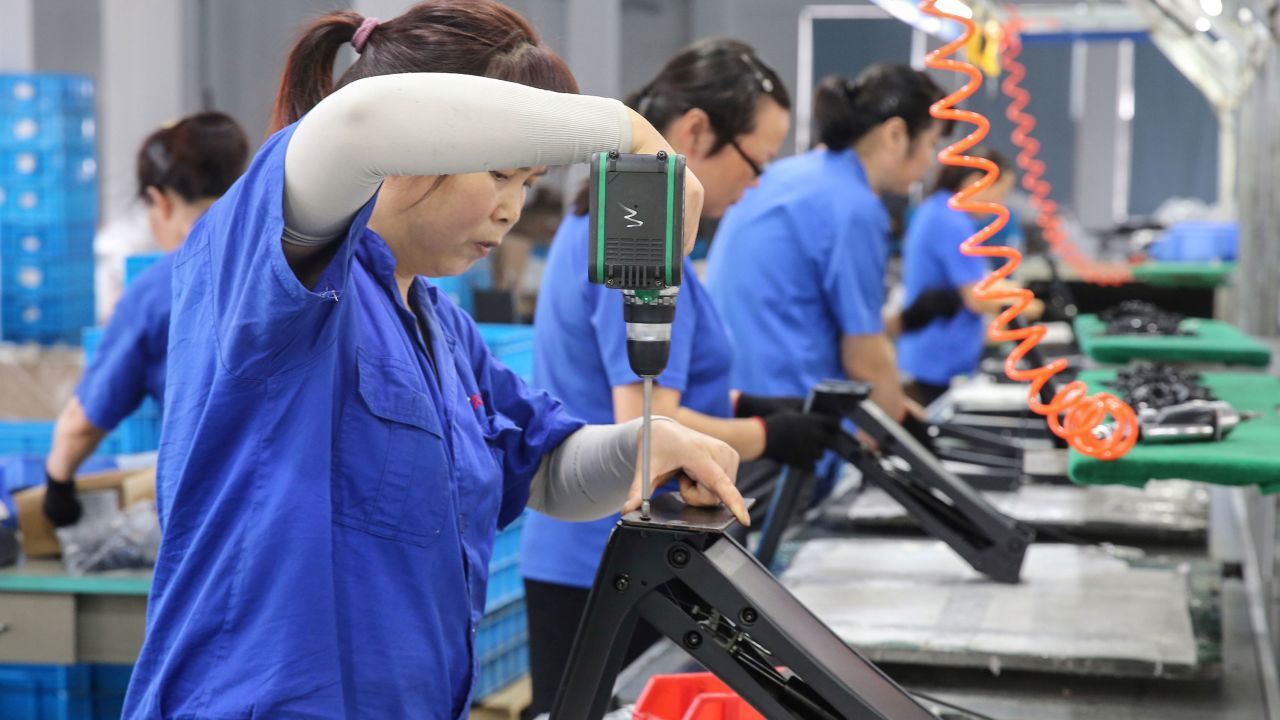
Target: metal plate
669, 512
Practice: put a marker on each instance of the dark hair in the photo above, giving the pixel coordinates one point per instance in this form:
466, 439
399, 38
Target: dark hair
845, 110
470, 37
722, 77
952, 177
198, 157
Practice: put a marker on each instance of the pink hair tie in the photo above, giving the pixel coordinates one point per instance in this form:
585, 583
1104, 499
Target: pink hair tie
362, 33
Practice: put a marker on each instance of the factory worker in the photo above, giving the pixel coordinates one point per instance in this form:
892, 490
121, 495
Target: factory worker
948, 346
727, 112
339, 446
181, 170
797, 267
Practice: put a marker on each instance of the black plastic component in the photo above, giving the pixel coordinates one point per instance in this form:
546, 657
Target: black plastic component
1156, 386
632, 214
943, 505
648, 358
1137, 317
659, 311
723, 608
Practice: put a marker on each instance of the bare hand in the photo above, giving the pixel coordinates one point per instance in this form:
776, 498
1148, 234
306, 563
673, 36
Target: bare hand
646, 140
707, 467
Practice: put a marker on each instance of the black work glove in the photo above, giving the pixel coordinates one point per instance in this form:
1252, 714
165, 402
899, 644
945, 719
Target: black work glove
799, 439
929, 306
61, 505
919, 430
765, 405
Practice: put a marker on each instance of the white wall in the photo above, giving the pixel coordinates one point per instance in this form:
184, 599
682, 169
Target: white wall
143, 83
17, 35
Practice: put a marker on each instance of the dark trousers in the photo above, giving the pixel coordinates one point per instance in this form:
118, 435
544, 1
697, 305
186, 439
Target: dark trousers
554, 614
924, 393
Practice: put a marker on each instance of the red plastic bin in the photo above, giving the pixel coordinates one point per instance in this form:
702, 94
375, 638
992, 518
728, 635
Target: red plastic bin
721, 706
691, 696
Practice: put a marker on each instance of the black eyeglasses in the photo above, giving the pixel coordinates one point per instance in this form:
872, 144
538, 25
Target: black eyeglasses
755, 167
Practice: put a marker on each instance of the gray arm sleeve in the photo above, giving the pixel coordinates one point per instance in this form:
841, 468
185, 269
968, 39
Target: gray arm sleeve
431, 124
589, 475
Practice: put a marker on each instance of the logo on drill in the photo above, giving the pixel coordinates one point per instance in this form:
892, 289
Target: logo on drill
630, 217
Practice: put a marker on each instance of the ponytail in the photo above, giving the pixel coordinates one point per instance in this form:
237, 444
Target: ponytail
845, 110
466, 37
308, 71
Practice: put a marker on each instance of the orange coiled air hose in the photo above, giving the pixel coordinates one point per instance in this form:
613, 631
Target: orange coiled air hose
1047, 217
1072, 414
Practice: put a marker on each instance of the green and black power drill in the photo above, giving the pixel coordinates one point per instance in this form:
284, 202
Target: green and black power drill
637, 236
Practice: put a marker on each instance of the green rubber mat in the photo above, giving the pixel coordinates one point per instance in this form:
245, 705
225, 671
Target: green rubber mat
1213, 342
1248, 456
1184, 274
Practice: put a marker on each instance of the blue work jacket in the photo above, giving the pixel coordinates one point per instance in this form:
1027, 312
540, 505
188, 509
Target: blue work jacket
797, 264
328, 490
129, 364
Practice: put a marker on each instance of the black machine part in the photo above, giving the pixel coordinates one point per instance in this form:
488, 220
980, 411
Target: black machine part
679, 571
649, 330
944, 506
1191, 421
1138, 317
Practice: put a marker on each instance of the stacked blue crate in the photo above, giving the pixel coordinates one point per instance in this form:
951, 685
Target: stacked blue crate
502, 640
512, 345
63, 692
48, 206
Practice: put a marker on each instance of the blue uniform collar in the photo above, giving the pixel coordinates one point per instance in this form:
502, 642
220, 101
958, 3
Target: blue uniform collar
850, 158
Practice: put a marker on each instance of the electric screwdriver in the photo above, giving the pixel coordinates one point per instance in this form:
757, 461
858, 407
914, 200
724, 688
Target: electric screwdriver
637, 233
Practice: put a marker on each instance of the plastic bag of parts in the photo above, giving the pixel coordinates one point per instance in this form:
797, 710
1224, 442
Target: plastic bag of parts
128, 538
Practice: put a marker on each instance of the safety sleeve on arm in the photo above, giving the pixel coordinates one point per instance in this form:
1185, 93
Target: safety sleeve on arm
589, 475
431, 124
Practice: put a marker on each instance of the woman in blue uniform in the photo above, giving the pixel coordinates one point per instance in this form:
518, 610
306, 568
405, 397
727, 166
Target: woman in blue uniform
339, 446
181, 170
949, 345
726, 111
797, 267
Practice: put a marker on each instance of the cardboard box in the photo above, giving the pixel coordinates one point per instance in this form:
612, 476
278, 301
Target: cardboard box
38, 537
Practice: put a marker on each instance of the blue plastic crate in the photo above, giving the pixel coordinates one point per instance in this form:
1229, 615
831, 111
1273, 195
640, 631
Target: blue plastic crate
39, 277
73, 168
48, 130
25, 437
512, 345
505, 583
502, 670
46, 242
45, 317
29, 93
45, 692
90, 338
63, 692
135, 264
22, 471
501, 649
1199, 241
108, 684
23, 200
458, 290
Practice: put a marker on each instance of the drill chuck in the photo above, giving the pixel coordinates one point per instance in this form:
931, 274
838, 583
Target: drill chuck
649, 317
